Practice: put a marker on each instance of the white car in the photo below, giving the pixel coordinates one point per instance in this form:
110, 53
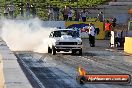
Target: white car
64, 40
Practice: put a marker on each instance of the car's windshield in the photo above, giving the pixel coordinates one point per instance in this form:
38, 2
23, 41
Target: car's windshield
60, 33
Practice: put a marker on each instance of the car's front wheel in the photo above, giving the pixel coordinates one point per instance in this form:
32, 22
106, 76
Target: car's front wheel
49, 50
74, 52
80, 52
53, 50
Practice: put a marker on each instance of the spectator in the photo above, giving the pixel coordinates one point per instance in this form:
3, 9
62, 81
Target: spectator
113, 22
83, 15
21, 5
101, 17
11, 10
70, 14
107, 29
6, 11
117, 39
65, 13
50, 14
0, 11
77, 15
33, 9
27, 10
91, 35
56, 13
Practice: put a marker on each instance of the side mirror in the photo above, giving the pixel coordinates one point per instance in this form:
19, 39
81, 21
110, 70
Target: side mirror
51, 35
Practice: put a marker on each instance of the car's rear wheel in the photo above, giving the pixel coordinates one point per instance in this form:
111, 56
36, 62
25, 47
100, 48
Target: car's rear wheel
53, 50
49, 50
80, 52
73, 52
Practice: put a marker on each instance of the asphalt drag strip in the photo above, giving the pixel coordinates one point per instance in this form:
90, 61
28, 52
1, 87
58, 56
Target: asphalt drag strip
60, 71
48, 74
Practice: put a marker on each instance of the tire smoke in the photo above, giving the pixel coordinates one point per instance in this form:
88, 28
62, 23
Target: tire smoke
25, 35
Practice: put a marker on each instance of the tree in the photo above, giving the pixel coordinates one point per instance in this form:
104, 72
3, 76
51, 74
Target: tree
42, 5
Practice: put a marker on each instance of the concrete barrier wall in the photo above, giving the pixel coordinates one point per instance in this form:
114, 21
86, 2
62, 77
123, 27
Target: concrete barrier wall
128, 45
11, 74
1, 73
53, 24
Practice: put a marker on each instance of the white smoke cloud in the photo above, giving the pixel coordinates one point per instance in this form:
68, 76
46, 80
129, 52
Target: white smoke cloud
25, 35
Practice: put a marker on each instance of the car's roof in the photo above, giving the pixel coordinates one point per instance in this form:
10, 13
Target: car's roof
62, 29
